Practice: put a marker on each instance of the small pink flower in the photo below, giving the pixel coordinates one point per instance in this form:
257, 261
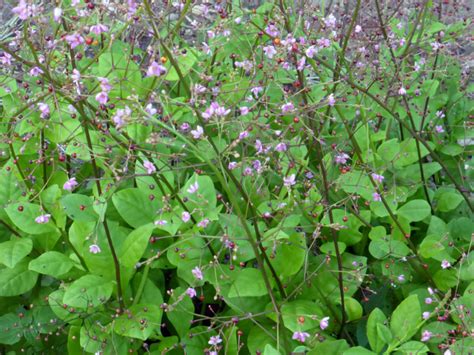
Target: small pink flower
23, 10
440, 114
331, 100
193, 188
401, 278
104, 84
341, 158
215, 340
426, 335
311, 51
6, 59
358, 29
35, 71
324, 323
330, 21
426, 315
378, 178
204, 223
43, 219
288, 107
98, 29
70, 184
376, 197
197, 133
445, 264
57, 13
161, 222
150, 168
439, 129
256, 90
269, 51
191, 292
102, 97
185, 216
300, 336
94, 249
197, 273
76, 75
428, 300
155, 69
44, 109
74, 40
244, 110
281, 147
232, 165
289, 181
402, 91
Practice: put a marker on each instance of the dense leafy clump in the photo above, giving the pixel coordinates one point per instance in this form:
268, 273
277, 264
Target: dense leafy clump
223, 178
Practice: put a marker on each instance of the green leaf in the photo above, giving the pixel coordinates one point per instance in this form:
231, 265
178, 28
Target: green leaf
9, 329
79, 208
140, 322
185, 63
88, 290
405, 318
51, 263
384, 333
249, 283
13, 251
270, 350
330, 347
448, 201
16, 281
381, 248
415, 210
183, 313
135, 207
292, 311
358, 350
23, 216
413, 347
376, 317
353, 308
135, 245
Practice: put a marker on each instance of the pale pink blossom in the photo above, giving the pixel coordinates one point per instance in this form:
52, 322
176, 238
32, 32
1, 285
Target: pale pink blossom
57, 13
341, 158
445, 264
43, 219
215, 340
74, 40
185, 216
289, 181
311, 51
331, 100
288, 107
98, 29
281, 147
197, 133
358, 29
300, 336
439, 129
156, 69
244, 110
426, 335
191, 292
94, 249
197, 273
269, 51
204, 223
35, 71
402, 91
70, 184
324, 323
150, 168
378, 178
193, 188
102, 97
104, 84
44, 109
6, 59
376, 197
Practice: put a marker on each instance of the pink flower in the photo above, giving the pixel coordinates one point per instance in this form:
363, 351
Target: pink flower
150, 168
70, 184
6, 59
439, 129
74, 40
244, 110
331, 100
281, 147
94, 249
324, 323
161, 222
300, 336
193, 188
76, 75
341, 158
104, 84
44, 109
150, 109
311, 51
289, 180
428, 300
445, 264
426, 315
98, 29
426, 335
191, 292
301, 63
43, 219
57, 13
232, 165
35, 71
376, 197
185, 217
102, 97
23, 10
204, 223
256, 90
288, 107
197, 273
358, 29
440, 114
155, 69
215, 110
269, 51
215, 340
402, 91
378, 178
272, 30
197, 133
330, 21
401, 278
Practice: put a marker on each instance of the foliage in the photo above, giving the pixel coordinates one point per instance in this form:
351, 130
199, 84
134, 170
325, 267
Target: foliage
196, 178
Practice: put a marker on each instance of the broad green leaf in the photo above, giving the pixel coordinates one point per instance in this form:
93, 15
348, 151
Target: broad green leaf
415, 211
413, 347
448, 201
140, 322
23, 215
182, 314
249, 283
310, 311
406, 318
135, 207
89, 290
376, 317
135, 245
51, 263
330, 347
13, 251
8, 329
353, 308
16, 281
79, 208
